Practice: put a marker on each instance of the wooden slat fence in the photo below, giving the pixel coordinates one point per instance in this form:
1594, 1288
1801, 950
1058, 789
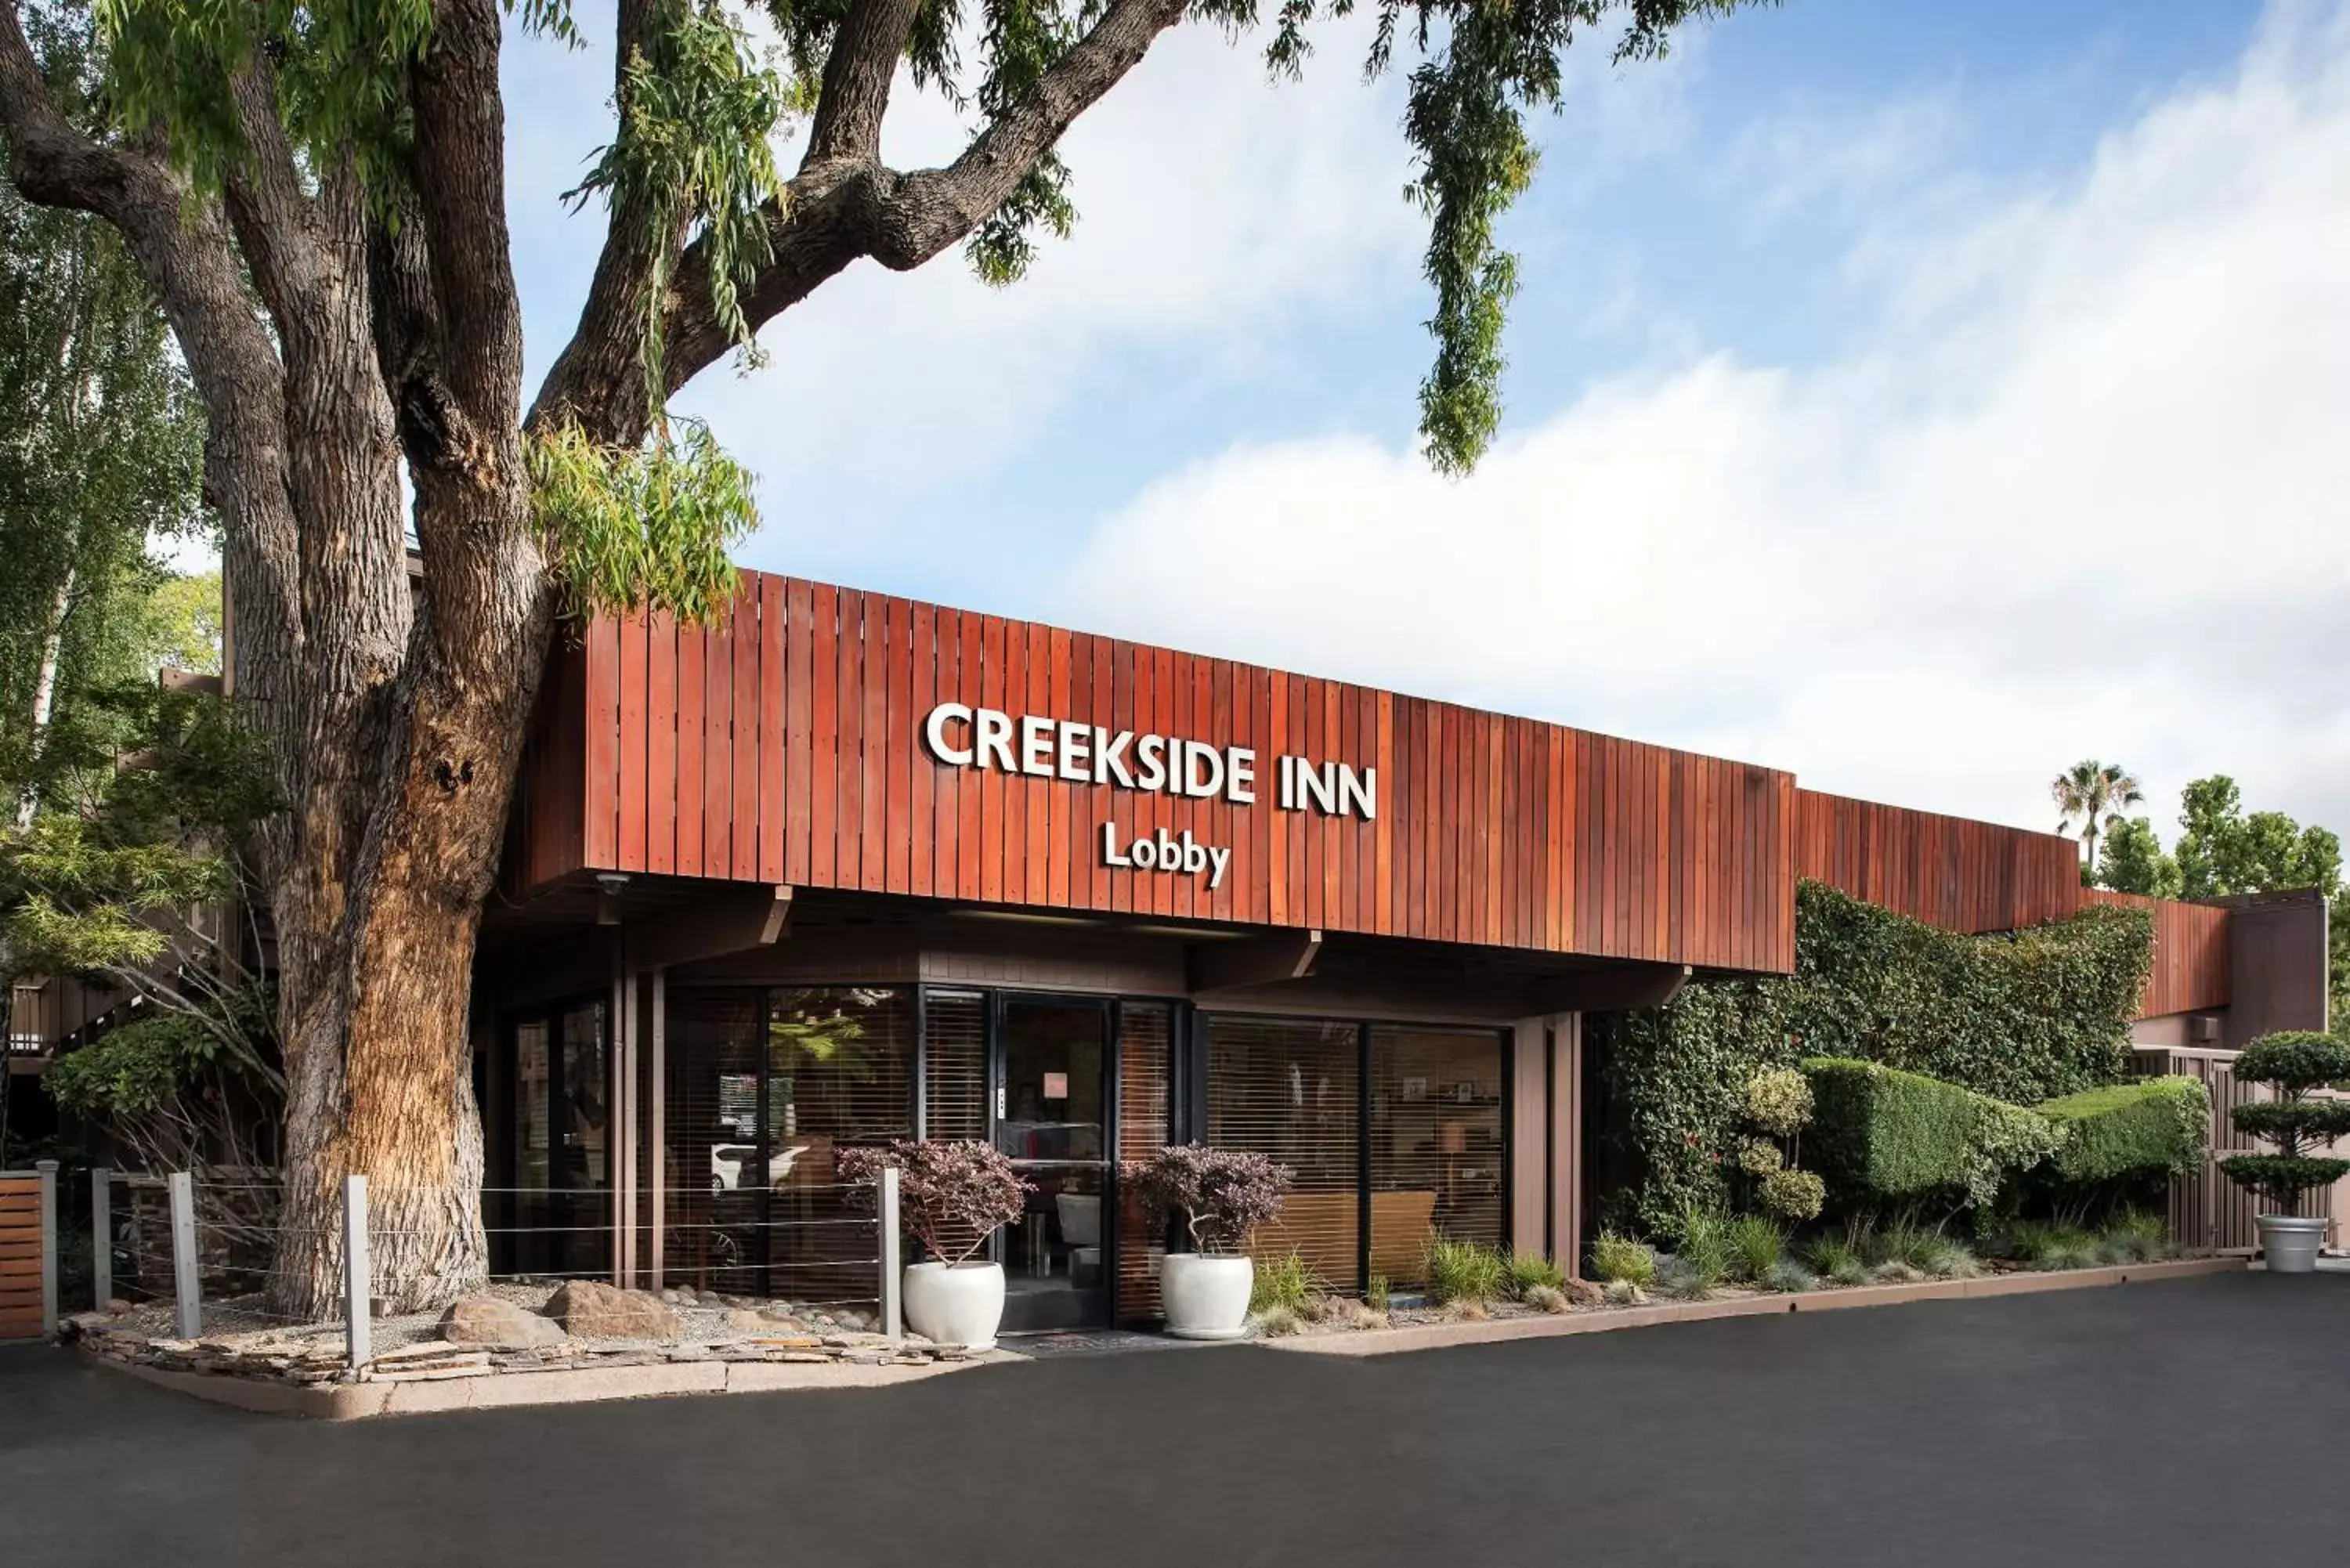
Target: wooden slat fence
2191, 971
23, 1277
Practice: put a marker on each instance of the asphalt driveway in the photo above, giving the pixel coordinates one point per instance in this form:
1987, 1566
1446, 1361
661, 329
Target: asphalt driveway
2196, 1422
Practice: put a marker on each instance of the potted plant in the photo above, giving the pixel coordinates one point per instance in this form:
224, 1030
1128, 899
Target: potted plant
954, 1196
1222, 1194
2293, 1062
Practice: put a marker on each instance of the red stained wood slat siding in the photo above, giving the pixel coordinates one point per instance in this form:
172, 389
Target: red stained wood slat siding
2191, 971
784, 744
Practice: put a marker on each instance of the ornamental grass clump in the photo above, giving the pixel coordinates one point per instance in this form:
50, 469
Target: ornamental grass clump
1786, 1277
954, 1195
1755, 1245
1222, 1194
1463, 1272
2293, 1063
1284, 1282
1619, 1260
1528, 1270
1836, 1260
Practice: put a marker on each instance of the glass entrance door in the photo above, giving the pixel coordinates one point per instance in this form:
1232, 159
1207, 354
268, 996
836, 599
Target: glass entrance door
1051, 1073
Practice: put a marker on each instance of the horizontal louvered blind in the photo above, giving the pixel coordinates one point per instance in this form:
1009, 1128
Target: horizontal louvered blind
1436, 1138
714, 1161
1289, 1088
1145, 1042
954, 1072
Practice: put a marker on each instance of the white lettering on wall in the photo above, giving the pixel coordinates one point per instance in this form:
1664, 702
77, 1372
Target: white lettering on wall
1042, 747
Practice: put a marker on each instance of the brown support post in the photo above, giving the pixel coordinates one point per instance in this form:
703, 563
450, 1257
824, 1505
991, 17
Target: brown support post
1566, 1141
1529, 1135
656, 1091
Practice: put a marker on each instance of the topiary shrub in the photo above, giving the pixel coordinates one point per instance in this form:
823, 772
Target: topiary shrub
2293, 1062
1883, 1137
1221, 1194
2156, 1126
954, 1194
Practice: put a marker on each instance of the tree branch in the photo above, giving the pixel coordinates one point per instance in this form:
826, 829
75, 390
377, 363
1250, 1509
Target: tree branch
858, 75
841, 208
461, 190
276, 226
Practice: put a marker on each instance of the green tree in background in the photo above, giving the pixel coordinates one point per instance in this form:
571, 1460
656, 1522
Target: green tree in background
2093, 793
2221, 851
315, 190
2131, 860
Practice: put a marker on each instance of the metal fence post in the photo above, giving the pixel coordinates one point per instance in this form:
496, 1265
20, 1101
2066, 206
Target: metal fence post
186, 1267
49, 1173
891, 1323
357, 1281
102, 1238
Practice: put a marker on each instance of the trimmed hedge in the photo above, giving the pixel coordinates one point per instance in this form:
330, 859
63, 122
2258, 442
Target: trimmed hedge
1881, 1136
2024, 1016
2156, 1126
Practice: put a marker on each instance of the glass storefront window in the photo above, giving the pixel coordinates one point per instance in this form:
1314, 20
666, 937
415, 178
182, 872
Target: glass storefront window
1291, 1088
1437, 1150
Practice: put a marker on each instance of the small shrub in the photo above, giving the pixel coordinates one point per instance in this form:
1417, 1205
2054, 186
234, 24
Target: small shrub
1704, 1250
2137, 1238
1221, 1194
1284, 1282
1945, 1258
1836, 1260
2054, 1247
1279, 1323
1624, 1293
1679, 1280
1759, 1157
1463, 1270
1787, 1276
1778, 1101
1903, 1241
1530, 1271
1545, 1298
1755, 1244
1619, 1260
2292, 1062
1375, 1294
1794, 1196
953, 1194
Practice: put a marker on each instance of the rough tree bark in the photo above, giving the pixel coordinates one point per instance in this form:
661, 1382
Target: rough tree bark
397, 714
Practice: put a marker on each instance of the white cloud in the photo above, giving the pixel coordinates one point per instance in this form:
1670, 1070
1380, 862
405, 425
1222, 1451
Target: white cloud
2085, 492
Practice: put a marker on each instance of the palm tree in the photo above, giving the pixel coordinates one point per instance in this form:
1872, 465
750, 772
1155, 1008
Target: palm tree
2095, 793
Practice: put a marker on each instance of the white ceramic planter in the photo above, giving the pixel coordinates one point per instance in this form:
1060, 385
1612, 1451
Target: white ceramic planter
955, 1303
1206, 1297
2289, 1244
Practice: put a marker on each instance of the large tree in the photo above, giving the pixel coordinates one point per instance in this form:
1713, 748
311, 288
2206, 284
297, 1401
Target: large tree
315, 190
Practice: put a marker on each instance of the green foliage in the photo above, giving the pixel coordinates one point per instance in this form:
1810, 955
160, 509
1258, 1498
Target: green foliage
2319, 1121
2135, 1239
1281, 1283
1701, 1258
691, 155
2051, 1247
1778, 1101
2094, 793
1793, 1195
1754, 1244
2283, 1177
1787, 1277
1463, 1270
2221, 851
2131, 860
2024, 1017
142, 1067
1760, 1157
1375, 1294
645, 525
2155, 1126
1527, 1272
1619, 1257
2294, 1060
1884, 1137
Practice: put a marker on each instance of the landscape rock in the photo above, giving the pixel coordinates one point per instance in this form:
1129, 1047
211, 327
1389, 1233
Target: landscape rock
742, 1320
1584, 1292
589, 1309
498, 1325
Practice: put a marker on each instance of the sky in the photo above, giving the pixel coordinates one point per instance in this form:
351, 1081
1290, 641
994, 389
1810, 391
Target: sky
1918, 398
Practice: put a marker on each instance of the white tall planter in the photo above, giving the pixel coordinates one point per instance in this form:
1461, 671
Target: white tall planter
955, 1303
2289, 1243
1206, 1297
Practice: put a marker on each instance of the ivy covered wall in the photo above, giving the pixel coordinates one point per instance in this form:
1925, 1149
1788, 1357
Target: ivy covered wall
2024, 1016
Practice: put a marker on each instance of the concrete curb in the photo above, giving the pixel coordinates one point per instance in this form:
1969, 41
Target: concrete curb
569, 1386
1442, 1336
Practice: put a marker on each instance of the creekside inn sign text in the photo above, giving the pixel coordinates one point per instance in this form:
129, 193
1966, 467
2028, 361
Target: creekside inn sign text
1043, 747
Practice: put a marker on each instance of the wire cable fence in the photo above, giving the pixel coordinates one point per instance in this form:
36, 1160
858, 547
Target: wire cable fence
208, 1256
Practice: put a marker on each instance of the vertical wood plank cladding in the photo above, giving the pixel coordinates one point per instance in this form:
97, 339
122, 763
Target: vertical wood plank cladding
1959, 875
2190, 971
633, 742
784, 744
603, 702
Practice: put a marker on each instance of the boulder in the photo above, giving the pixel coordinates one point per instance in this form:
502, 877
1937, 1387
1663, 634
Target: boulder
497, 1324
1584, 1294
604, 1312
742, 1320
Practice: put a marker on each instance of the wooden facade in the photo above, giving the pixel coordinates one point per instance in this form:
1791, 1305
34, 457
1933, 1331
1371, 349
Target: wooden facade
784, 745
1948, 871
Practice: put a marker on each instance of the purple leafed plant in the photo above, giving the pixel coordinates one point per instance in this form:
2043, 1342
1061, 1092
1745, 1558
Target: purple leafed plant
954, 1195
1222, 1193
